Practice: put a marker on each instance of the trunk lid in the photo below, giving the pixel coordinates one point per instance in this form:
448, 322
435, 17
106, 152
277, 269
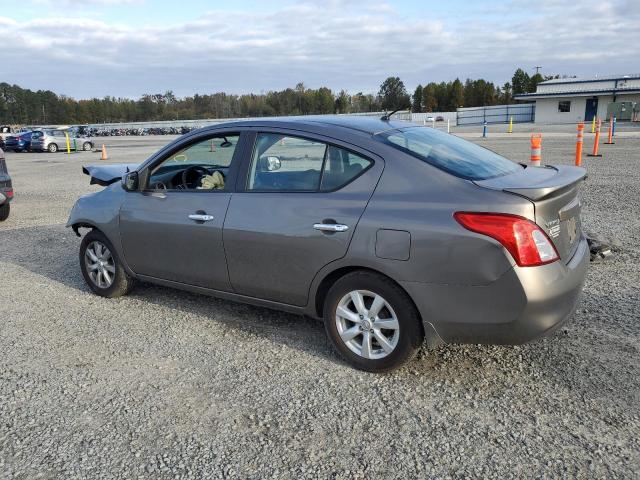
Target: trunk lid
553, 190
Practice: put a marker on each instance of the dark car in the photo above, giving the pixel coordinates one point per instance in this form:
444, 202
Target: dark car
389, 231
6, 189
19, 142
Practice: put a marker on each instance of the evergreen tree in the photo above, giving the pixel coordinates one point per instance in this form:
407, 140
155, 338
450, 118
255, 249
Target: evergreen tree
416, 106
393, 94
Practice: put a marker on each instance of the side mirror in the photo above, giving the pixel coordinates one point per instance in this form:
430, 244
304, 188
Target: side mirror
130, 181
273, 163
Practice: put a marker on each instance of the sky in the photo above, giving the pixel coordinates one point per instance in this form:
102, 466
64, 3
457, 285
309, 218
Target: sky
125, 48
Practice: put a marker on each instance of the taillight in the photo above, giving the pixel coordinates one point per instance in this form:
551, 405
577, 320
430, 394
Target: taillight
527, 243
9, 193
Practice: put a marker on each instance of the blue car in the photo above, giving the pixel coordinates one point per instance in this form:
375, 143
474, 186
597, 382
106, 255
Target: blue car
20, 142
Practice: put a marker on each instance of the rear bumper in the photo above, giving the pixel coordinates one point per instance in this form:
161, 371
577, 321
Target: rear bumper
522, 305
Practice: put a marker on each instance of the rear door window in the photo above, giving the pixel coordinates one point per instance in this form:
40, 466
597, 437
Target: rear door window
449, 153
286, 163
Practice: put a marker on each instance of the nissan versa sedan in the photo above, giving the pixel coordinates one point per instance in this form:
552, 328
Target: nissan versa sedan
392, 233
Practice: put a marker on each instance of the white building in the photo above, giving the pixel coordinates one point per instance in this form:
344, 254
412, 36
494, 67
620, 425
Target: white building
572, 100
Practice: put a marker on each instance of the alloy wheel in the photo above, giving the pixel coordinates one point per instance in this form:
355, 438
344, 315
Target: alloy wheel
367, 324
100, 264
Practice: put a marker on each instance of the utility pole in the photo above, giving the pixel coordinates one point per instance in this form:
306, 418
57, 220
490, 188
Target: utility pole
537, 70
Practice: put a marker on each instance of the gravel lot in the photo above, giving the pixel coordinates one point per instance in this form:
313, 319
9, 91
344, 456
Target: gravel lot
169, 384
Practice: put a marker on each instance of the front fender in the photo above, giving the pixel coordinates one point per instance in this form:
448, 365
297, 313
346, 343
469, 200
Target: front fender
101, 210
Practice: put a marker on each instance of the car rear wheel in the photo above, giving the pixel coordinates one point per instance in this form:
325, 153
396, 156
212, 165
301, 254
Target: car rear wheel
86, 146
101, 267
53, 148
4, 211
372, 322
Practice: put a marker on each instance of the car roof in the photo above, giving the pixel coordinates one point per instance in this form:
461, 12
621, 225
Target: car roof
360, 123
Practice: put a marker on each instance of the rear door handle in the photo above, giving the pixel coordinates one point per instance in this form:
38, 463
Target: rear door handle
330, 227
198, 217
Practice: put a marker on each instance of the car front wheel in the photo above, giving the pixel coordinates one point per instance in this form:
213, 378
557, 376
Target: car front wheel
101, 267
372, 322
53, 148
86, 146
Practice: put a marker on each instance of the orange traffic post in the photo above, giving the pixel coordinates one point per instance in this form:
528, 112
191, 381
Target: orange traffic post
596, 141
610, 141
104, 153
579, 144
536, 149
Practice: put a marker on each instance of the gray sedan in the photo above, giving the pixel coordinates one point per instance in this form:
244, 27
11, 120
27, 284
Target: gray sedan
390, 232
53, 140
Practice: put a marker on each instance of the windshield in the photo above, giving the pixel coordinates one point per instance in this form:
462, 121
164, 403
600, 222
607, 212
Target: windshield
450, 153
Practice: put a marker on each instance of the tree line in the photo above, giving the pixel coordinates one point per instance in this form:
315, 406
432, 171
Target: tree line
23, 106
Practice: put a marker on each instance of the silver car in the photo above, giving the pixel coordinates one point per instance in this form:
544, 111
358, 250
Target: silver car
52, 140
390, 232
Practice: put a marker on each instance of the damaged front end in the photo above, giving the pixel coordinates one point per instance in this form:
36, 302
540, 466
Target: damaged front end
107, 174
100, 209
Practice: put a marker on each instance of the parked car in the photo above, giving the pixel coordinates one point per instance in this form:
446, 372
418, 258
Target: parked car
18, 142
388, 231
439, 118
6, 189
54, 140
5, 131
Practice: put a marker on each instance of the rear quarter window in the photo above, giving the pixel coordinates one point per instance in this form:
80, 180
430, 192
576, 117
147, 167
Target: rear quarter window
447, 152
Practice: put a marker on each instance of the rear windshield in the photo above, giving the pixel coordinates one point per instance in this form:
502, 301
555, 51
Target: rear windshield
450, 153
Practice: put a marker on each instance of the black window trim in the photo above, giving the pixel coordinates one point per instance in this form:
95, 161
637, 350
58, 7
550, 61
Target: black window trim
301, 136
568, 102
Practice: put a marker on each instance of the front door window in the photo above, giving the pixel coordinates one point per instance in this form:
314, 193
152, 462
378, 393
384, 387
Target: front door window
201, 166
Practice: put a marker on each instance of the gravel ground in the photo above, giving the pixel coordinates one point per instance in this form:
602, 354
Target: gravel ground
166, 384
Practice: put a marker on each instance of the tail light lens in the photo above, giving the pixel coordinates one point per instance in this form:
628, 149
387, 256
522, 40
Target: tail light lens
527, 243
9, 193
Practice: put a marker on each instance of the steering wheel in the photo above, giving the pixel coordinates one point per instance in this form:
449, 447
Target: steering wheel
189, 171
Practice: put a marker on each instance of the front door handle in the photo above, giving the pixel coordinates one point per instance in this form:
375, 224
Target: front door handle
330, 227
198, 217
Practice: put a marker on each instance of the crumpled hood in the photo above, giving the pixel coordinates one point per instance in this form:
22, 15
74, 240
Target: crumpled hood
107, 174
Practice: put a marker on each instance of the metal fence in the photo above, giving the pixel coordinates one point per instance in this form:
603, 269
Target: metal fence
520, 113
442, 120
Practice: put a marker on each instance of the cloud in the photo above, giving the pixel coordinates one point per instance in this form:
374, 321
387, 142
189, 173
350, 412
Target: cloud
336, 43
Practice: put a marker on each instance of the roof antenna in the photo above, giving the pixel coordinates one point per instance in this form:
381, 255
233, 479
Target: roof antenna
387, 116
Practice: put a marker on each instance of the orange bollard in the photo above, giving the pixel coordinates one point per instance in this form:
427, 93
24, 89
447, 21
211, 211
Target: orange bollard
536, 149
610, 141
104, 153
579, 144
596, 141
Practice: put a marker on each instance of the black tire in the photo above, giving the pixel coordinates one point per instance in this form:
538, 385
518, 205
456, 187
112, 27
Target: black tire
122, 283
411, 334
4, 211
87, 146
52, 148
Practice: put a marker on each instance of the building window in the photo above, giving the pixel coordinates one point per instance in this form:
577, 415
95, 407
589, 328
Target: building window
564, 106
